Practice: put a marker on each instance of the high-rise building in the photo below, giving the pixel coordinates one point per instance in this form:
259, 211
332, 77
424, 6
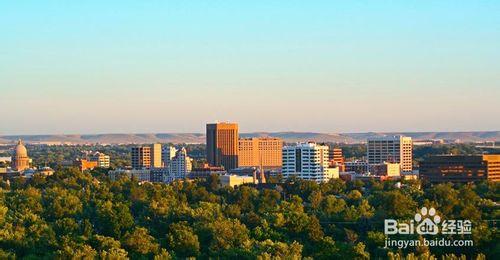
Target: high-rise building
167, 154
461, 168
141, 157
256, 152
180, 165
156, 156
336, 156
308, 161
222, 145
391, 149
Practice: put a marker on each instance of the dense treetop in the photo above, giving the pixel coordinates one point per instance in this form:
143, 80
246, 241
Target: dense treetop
74, 214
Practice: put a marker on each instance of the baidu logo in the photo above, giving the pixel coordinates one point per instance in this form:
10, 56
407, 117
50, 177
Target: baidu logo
427, 222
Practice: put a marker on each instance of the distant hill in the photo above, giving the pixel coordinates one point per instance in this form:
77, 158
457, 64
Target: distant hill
479, 136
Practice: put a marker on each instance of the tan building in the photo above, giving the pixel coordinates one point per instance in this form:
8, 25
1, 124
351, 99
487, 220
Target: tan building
461, 168
85, 164
103, 160
256, 152
222, 145
141, 157
156, 156
20, 160
393, 149
235, 180
386, 169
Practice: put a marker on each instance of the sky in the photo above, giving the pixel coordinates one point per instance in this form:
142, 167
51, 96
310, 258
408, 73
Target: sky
87, 67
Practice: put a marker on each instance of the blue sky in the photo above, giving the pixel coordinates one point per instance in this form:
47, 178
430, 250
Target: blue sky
325, 66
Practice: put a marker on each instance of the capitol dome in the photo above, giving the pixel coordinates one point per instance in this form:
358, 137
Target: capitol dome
20, 160
21, 150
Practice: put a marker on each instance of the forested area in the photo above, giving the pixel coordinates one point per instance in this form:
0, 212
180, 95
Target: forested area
85, 215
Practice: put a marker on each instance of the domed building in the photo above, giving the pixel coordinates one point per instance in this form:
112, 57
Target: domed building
20, 159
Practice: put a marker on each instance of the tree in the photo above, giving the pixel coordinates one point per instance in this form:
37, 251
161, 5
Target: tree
113, 219
225, 234
139, 242
108, 247
60, 203
182, 240
269, 249
393, 204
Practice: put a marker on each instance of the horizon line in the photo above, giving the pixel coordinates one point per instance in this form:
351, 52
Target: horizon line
251, 132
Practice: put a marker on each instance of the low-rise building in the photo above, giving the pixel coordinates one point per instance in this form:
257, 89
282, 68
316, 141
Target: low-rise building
103, 160
142, 175
92, 160
85, 164
461, 168
5, 159
235, 180
386, 169
356, 166
205, 171
158, 174
45, 171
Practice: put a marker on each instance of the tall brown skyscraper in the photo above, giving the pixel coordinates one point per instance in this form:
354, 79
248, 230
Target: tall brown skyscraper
222, 145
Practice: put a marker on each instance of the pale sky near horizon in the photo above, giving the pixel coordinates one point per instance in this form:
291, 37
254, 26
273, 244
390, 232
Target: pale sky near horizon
69, 67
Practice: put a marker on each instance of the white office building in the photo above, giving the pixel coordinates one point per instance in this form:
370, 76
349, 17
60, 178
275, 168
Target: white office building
167, 154
391, 149
308, 161
179, 167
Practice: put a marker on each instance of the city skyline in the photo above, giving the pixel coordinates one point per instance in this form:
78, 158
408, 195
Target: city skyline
98, 67
285, 129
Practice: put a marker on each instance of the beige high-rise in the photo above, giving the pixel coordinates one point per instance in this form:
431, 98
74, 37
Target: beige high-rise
256, 152
156, 156
391, 149
222, 145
